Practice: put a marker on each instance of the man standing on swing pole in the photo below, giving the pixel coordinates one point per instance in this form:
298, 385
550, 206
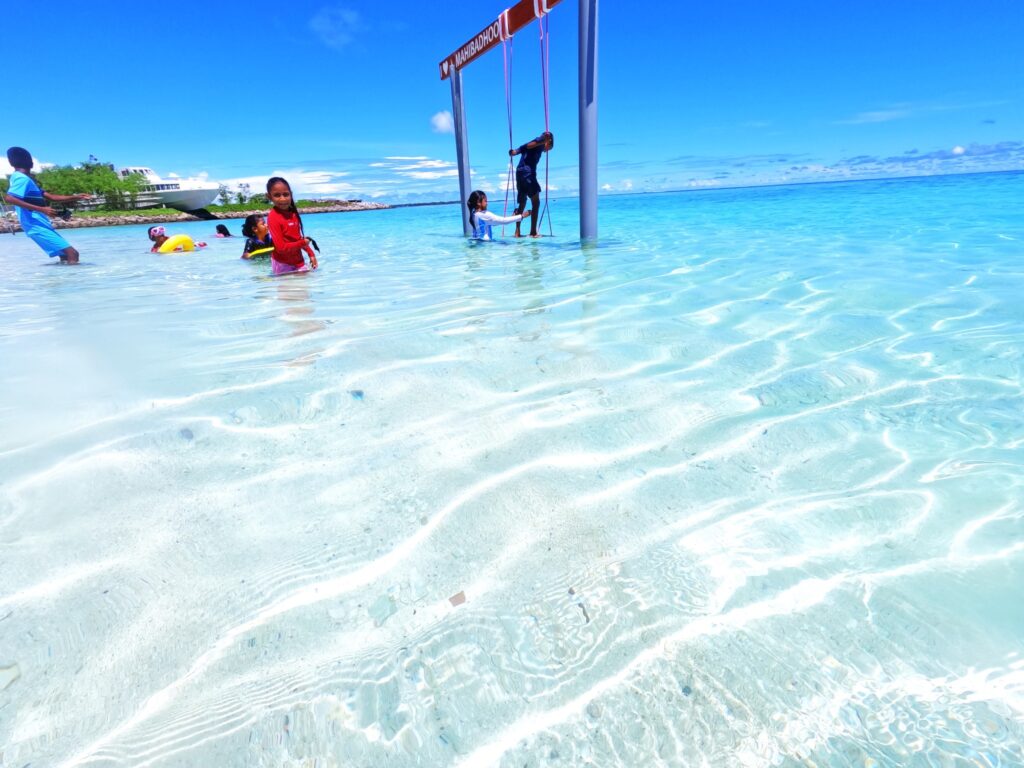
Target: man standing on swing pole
527, 186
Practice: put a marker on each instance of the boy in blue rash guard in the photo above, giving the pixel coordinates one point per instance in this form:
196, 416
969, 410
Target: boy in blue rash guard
527, 185
33, 208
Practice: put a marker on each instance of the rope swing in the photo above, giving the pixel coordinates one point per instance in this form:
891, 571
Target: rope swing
545, 49
541, 12
498, 33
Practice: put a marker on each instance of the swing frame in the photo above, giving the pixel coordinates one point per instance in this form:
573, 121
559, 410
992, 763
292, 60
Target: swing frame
510, 21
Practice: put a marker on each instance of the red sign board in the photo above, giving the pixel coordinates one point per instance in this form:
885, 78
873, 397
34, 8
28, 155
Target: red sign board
507, 24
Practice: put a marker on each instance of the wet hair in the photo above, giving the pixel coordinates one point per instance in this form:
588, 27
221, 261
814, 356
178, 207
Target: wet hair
19, 157
278, 180
222, 229
474, 200
249, 227
150, 230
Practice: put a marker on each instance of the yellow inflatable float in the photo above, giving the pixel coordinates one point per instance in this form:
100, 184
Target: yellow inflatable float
177, 243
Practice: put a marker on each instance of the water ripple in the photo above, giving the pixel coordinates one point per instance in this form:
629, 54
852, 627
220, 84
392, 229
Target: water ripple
739, 486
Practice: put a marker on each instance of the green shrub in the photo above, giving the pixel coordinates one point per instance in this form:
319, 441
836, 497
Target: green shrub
93, 177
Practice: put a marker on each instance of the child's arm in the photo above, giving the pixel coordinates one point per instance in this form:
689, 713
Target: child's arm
528, 145
493, 218
66, 198
17, 201
312, 257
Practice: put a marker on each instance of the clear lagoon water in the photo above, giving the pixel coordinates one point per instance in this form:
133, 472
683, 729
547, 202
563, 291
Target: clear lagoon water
743, 485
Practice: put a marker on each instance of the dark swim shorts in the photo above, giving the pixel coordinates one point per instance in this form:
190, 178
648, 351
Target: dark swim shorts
526, 182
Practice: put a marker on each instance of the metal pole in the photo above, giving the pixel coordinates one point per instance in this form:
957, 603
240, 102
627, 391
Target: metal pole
588, 119
461, 149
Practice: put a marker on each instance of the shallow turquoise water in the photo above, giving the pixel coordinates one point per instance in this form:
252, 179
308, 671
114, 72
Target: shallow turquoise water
741, 486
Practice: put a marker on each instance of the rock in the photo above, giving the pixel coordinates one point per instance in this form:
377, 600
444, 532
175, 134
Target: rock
383, 609
8, 675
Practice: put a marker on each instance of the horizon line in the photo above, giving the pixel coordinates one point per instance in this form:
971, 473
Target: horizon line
736, 186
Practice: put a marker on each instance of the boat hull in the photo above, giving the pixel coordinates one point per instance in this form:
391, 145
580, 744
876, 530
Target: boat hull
181, 199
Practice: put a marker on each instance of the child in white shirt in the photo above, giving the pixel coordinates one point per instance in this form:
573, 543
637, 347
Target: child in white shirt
482, 220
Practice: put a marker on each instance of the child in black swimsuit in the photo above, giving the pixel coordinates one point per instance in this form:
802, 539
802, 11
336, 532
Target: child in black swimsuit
527, 185
257, 239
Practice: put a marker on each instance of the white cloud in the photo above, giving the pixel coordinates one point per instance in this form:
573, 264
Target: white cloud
622, 186
421, 178
443, 122
37, 165
336, 26
822, 171
303, 183
256, 183
430, 174
424, 164
418, 167
879, 116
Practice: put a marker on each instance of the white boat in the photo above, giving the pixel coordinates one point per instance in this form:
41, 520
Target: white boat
183, 194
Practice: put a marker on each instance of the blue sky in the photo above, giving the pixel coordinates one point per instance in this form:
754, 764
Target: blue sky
344, 98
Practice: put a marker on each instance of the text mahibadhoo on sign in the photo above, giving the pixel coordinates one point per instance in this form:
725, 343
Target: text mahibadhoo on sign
507, 24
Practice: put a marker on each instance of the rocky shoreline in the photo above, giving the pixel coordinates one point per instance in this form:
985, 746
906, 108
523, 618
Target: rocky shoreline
76, 222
